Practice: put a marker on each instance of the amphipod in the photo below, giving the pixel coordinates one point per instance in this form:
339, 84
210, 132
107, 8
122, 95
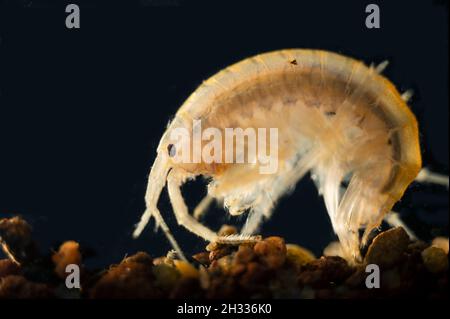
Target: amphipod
336, 118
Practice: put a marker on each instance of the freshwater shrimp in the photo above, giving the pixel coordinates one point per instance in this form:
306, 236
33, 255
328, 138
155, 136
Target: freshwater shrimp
337, 119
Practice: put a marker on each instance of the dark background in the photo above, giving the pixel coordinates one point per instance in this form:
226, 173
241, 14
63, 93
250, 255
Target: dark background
82, 111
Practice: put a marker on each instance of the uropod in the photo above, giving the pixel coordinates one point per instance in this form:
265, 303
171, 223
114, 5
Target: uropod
336, 118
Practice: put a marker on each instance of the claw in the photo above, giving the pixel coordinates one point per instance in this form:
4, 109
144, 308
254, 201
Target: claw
238, 239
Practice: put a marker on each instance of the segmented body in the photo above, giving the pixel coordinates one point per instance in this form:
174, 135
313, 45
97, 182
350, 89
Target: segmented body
336, 118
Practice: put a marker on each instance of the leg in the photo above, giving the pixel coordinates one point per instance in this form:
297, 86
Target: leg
155, 185
159, 222
394, 220
426, 176
273, 190
174, 182
202, 207
255, 218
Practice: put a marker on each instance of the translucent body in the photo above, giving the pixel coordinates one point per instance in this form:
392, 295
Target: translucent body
337, 119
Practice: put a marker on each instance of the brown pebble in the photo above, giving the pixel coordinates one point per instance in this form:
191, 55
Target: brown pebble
238, 269
358, 278
16, 240
8, 267
435, 259
17, 287
387, 248
254, 274
227, 230
166, 276
325, 272
334, 249
186, 287
222, 287
220, 252
298, 256
133, 278
272, 251
202, 258
417, 246
225, 264
390, 279
68, 253
244, 255
204, 278
140, 257
186, 269
441, 242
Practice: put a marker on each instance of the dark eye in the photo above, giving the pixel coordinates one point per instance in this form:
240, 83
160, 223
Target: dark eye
171, 150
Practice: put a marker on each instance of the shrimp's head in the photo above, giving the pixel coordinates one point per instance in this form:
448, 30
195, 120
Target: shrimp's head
170, 158
173, 153
181, 146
